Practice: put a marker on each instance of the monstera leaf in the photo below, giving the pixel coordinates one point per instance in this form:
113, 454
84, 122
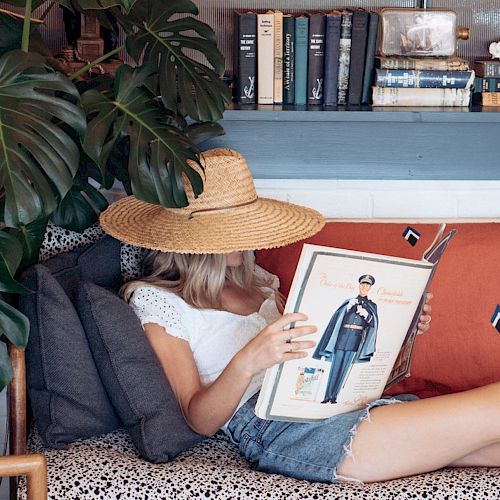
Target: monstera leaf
158, 151
38, 159
188, 87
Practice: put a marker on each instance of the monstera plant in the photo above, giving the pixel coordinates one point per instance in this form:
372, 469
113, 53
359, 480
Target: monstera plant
63, 140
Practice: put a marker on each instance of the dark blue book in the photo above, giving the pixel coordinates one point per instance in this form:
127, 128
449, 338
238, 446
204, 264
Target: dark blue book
246, 73
420, 79
486, 85
359, 37
344, 56
371, 50
332, 43
301, 47
288, 59
316, 58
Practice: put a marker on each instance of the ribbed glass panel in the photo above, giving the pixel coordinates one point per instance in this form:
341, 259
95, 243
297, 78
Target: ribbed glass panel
481, 16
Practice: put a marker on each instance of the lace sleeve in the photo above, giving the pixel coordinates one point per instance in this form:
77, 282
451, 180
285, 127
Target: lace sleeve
274, 281
153, 305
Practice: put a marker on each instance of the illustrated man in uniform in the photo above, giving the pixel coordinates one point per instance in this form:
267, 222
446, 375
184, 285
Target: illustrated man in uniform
350, 337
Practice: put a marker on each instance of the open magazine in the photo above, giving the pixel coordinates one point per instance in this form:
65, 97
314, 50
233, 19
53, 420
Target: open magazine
366, 307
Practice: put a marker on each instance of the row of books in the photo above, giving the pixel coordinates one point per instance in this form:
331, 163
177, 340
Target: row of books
487, 83
313, 59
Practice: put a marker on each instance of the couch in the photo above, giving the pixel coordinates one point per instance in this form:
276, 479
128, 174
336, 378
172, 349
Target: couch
104, 458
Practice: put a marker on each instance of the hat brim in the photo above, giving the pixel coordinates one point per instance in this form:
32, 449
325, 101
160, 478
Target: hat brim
266, 223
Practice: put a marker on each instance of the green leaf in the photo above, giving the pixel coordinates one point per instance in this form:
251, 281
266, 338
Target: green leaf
31, 238
158, 151
200, 132
81, 207
11, 253
6, 373
186, 86
14, 325
126, 5
38, 159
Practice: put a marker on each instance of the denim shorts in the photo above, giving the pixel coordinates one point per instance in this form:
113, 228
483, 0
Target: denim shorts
310, 451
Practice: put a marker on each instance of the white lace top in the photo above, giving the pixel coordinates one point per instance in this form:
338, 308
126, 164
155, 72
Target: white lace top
214, 336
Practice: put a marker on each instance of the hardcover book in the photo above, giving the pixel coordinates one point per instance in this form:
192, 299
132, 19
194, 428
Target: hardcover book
486, 84
402, 78
344, 56
435, 63
371, 49
359, 37
278, 57
265, 58
246, 72
332, 47
489, 99
367, 309
288, 59
316, 58
383, 96
489, 68
301, 50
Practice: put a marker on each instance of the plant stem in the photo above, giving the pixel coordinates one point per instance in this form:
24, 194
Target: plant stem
85, 68
26, 26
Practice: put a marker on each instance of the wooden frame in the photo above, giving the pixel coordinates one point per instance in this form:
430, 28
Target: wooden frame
18, 462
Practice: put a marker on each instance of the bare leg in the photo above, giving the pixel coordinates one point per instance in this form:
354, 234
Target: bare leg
419, 436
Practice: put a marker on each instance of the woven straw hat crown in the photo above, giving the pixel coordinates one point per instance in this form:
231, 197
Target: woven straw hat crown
226, 217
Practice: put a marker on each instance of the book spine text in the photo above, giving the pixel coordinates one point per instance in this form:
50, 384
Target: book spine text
278, 57
420, 97
247, 58
401, 78
316, 59
359, 36
344, 57
301, 46
288, 60
265, 58
332, 43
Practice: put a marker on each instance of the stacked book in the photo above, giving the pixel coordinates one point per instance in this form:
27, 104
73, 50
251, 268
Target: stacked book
487, 82
426, 81
315, 59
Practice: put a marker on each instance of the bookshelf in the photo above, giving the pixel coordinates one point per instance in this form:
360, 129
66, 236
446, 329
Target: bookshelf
287, 142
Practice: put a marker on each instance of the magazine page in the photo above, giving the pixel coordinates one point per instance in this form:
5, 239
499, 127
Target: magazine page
363, 305
402, 364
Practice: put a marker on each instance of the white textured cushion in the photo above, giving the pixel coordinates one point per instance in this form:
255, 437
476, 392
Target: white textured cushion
109, 467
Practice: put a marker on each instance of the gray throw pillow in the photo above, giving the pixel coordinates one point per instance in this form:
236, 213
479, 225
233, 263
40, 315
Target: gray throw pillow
132, 375
67, 397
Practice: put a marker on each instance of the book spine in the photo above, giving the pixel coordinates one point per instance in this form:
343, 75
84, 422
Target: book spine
288, 60
265, 58
278, 57
359, 36
486, 85
332, 46
344, 57
401, 78
448, 64
487, 68
301, 46
371, 49
420, 97
247, 58
316, 59
490, 99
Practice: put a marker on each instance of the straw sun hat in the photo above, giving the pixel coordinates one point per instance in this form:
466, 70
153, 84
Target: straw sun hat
228, 215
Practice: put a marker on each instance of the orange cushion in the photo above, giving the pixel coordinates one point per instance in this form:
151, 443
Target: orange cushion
462, 349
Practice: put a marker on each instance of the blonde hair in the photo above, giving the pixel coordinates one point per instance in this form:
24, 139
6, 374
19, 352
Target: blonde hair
199, 278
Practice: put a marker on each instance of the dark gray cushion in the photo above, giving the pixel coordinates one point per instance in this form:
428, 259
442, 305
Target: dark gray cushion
133, 376
67, 396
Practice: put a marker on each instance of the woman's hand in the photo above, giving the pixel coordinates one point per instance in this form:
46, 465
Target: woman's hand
425, 319
275, 344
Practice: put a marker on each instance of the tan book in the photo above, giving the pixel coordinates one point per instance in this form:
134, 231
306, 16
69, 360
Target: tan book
278, 57
388, 96
265, 58
428, 63
490, 99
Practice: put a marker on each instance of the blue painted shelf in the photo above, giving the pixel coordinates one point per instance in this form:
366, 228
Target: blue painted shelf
369, 143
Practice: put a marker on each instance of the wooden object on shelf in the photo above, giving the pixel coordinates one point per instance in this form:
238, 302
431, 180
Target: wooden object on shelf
90, 45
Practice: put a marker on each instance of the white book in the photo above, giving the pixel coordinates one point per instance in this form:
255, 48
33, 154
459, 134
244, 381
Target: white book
367, 308
392, 96
265, 58
278, 57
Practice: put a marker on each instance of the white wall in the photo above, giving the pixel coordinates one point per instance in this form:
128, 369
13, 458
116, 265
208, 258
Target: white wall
383, 199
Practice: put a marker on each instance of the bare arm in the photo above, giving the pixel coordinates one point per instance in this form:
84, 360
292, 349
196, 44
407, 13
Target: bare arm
207, 409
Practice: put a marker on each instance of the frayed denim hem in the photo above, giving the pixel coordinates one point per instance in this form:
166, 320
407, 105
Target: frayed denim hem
347, 446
